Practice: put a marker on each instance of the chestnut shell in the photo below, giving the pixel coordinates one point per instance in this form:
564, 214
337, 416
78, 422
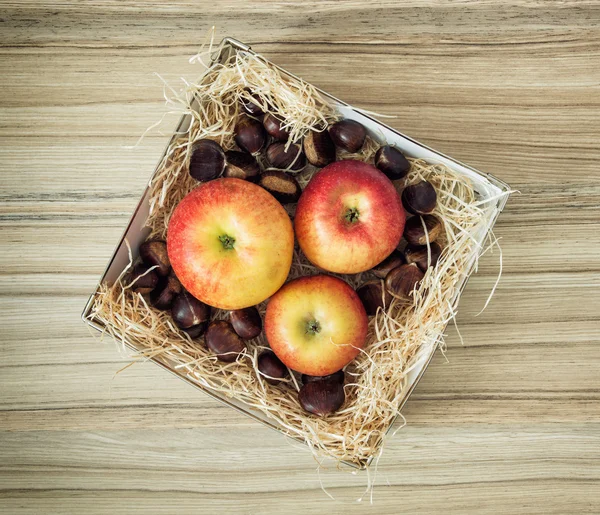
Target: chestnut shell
392, 162
165, 292
414, 233
319, 148
271, 366
321, 397
141, 280
419, 198
207, 161
373, 295
396, 258
223, 341
187, 311
348, 135
246, 322
403, 280
281, 185
250, 135
419, 254
154, 253
273, 125
241, 165
338, 377
292, 158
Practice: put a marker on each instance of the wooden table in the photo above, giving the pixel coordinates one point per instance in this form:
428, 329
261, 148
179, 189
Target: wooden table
510, 423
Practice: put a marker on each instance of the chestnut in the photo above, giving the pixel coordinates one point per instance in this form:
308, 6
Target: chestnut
419, 198
246, 322
241, 165
196, 330
319, 148
281, 185
163, 295
338, 377
402, 281
395, 259
251, 105
207, 161
187, 311
154, 253
321, 397
373, 296
273, 125
141, 280
414, 232
392, 162
250, 135
420, 255
223, 341
292, 158
348, 135
271, 367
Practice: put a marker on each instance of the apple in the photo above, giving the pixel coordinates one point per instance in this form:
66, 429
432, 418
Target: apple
316, 325
349, 217
230, 243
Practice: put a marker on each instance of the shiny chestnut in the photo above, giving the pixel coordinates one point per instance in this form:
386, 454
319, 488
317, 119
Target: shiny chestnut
274, 127
221, 339
246, 322
321, 397
348, 135
373, 296
422, 256
416, 234
419, 198
401, 281
142, 279
392, 162
207, 160
271, 367
250, 135
154, 253
292, 158
187, 311
395, 259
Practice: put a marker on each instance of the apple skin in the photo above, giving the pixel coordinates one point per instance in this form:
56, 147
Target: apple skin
331, 241
260, 260
337, 309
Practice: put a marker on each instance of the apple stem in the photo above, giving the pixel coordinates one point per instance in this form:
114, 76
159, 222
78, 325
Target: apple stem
351, 215
227, 241
313, 327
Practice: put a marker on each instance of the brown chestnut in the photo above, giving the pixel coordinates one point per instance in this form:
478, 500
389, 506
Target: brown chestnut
187, 311
401, 281
392, 162
154, 253
142, 280
292, 158
163, 295
373, 296
419, 198
241, 165
246, 322
207, 161
273, 125
281, 185
251, 104
414, 232
395, 259
319, 148
321, 397
223, 341
338, 377
348, 135
420, 255
250, 135
271, 367
196, 330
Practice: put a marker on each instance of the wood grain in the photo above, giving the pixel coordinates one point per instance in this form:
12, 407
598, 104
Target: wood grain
509, 423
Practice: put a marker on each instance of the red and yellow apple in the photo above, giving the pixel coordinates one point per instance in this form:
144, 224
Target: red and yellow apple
349, 217
230, 243
316, 325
